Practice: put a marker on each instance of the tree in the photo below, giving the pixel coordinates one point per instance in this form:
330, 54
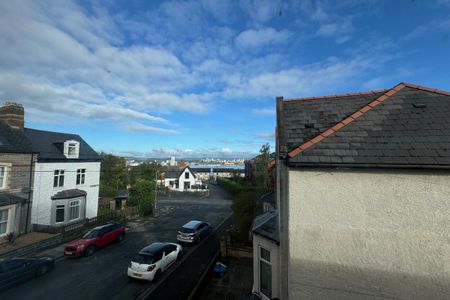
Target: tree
262, 165
142, 194
145, 171
113, 174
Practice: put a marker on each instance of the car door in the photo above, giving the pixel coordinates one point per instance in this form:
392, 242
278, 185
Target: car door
102, 239
15, 270
109, 235
170, 255
200, 230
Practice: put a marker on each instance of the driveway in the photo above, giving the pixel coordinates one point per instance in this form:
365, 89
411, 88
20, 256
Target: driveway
103, 275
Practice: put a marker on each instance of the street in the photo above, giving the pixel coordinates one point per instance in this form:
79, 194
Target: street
103, 275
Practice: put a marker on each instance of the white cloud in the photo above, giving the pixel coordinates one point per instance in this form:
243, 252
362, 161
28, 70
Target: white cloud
270, 111
150, 129
257, 38
265, 135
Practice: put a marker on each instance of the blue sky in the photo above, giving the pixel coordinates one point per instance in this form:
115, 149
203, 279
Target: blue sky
199, 78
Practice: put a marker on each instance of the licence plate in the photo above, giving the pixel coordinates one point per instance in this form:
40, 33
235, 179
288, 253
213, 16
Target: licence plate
137, 274
68, 253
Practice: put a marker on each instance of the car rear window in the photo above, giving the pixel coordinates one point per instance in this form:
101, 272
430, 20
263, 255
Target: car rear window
187, 230
143, 259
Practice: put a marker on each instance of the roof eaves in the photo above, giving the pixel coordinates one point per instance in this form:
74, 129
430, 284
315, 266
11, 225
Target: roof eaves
346, 121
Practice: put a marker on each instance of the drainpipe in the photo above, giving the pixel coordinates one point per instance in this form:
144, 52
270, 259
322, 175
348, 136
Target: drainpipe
30, 193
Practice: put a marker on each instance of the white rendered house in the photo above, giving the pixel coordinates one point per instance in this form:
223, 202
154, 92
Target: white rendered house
66, 180
182, 180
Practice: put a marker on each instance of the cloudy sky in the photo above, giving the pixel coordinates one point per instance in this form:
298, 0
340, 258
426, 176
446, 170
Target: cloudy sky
199, 78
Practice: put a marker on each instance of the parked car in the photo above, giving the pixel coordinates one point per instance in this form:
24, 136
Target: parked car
95, 239
153, 260
193, 231
15, 270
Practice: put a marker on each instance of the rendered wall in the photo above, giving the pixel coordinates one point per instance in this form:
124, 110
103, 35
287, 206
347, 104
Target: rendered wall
369, 235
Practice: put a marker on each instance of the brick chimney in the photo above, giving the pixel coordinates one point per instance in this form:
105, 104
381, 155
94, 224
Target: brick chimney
13, 114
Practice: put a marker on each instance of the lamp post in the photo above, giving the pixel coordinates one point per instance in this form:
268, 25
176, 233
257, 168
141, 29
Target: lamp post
156, 186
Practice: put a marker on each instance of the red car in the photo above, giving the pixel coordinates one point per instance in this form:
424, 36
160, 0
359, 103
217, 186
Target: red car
95, 239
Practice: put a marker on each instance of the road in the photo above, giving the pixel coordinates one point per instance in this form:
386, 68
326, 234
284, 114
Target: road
103, 275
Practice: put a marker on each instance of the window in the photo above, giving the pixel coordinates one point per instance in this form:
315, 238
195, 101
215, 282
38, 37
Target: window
2, 177
71, 149
59, 213
74, 210
81, 173
186, 175
3, 221
58, 178
265, 273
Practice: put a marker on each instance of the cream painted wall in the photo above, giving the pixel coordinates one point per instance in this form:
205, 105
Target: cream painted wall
258, 242
369, 235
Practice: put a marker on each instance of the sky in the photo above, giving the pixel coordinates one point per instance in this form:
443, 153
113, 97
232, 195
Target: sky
199, 78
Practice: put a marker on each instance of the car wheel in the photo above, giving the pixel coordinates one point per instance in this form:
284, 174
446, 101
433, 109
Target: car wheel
120, 237
157, 275
42, 270
90, 250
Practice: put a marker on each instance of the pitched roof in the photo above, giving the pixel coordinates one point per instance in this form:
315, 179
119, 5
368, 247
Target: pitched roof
266, 225
67, 194
406, 126
46, 144
13, 140
8, 198
172, 172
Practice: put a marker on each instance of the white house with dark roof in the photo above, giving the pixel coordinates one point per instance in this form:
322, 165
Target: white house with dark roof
363, 185
181, 180
66, 181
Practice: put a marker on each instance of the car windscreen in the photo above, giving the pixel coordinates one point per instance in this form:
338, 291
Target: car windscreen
187, 230
143, 259
91, 234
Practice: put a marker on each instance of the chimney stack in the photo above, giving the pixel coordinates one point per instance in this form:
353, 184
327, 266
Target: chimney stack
13, 114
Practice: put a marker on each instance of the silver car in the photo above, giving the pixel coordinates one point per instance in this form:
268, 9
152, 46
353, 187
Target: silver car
194, 231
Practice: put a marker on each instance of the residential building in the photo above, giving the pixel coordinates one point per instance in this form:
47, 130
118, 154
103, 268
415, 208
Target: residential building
362, 189
66, 182
16, 172
184, 180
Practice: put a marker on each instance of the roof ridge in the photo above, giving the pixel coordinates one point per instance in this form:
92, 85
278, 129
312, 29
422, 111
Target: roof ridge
336, 96
347, 120
425, 88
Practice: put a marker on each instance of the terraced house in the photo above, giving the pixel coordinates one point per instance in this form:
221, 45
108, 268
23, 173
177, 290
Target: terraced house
363, 185
16, 172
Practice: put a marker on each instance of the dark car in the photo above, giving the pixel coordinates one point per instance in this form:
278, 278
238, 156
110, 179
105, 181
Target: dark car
193, 231
15, 270
95, 239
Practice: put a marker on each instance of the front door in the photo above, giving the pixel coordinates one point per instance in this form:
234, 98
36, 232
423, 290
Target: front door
187, 185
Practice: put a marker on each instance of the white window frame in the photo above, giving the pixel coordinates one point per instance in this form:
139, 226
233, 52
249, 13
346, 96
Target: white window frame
60, 174
72, 144
63, 206
263, 260
81, 177
3, 179
11, 212
72, 205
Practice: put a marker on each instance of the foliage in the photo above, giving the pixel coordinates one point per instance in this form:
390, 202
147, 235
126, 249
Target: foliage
261, 166
244, 208
142, 194
145, 171
113, 174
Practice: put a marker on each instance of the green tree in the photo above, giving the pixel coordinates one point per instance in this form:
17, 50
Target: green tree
142, 194
262, 165
244, 206
113, 174
146, 170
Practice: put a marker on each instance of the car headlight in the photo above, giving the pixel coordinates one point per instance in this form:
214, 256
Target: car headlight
81, 246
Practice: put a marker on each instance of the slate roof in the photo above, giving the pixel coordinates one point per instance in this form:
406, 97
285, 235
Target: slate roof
13, 140
266, 225
67, 194
172, 172
406, 126
45, 143
8, 199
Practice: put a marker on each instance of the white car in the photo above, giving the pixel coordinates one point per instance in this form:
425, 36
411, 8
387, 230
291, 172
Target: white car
154, 259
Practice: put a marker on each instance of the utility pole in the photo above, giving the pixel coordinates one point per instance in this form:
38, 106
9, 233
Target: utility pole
156, 186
